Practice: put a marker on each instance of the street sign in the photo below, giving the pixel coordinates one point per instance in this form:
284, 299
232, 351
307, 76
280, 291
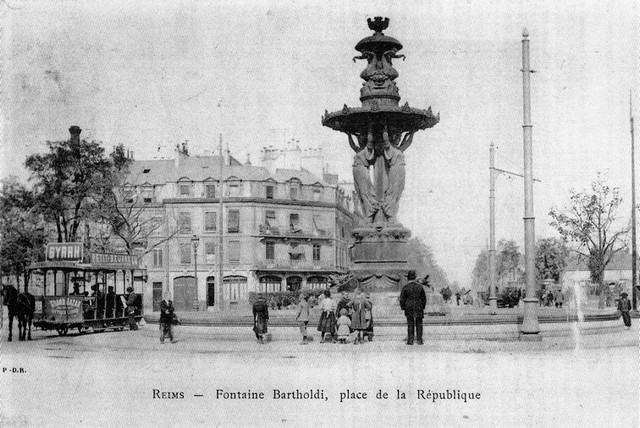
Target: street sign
65, 251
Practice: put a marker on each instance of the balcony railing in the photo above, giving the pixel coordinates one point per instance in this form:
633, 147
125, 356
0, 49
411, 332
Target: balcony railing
264, 229
294, 264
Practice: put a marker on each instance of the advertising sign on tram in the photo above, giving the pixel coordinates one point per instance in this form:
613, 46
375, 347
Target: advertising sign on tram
67, 309
101, 259
65, 251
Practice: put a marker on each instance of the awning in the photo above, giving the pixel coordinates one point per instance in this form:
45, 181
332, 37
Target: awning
296, 250
319, 225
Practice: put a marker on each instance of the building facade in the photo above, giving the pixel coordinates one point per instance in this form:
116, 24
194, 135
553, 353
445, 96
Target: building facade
281, 229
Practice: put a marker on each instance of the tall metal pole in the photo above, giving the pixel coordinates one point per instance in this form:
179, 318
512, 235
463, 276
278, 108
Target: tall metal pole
493, 305
634, 250
194, 242
219, 285
530, 327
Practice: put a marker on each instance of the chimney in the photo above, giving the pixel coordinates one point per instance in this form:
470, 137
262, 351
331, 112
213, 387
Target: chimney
248, 163
75, 133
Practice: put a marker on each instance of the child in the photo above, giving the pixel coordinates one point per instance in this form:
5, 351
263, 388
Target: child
344, 325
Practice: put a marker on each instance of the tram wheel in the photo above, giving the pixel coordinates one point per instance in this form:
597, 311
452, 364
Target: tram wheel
62, 331
79, 329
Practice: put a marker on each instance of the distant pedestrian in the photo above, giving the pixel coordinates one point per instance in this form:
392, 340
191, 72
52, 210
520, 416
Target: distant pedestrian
359, 306
413, 301
260, 317
457, 298
327, 323
559, 299
303, 317
624, 306
344, 326
166, 318
132, 301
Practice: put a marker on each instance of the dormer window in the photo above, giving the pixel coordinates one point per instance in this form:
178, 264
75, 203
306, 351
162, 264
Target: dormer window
294, 189
185, 188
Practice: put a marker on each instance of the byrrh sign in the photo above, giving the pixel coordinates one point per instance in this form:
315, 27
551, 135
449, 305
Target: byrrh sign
65, 251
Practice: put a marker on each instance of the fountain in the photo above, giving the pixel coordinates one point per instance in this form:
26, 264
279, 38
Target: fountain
379, 132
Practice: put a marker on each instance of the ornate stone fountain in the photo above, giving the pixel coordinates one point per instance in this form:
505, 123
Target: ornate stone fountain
379, 132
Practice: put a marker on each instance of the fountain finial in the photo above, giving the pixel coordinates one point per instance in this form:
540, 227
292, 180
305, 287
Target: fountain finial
378, 24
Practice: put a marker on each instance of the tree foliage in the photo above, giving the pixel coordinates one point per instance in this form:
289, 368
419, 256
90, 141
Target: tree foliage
22, 230
70, 181
590, 222
509, 263
551, 259
421, 256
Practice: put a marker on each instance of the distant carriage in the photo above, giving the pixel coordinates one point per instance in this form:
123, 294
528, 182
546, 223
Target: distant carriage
89, 305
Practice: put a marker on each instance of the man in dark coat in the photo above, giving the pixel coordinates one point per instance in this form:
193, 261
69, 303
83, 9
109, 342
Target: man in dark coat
132, 300
166, 318
413, 300
624, 306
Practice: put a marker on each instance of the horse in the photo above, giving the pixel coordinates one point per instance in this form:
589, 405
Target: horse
22, 306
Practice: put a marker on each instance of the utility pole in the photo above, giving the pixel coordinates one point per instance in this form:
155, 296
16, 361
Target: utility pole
493, 299
634, 250
220, 283
530, 327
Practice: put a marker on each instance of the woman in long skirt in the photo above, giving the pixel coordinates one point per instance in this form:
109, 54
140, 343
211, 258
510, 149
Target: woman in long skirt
358, 321
260, 318
327, 322
368, 332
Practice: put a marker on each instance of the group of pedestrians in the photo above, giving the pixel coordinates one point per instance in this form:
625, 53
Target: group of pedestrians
349, 317
552, 298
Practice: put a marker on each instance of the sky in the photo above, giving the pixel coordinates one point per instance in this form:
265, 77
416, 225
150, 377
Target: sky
150, 74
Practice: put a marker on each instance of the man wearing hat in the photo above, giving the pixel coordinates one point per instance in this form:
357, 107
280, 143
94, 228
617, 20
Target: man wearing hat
413, 300
624, 306
132, 301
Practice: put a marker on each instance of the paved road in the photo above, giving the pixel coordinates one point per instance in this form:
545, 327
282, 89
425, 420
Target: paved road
108, 379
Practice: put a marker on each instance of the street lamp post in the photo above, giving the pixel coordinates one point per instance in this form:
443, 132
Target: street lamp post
194, 242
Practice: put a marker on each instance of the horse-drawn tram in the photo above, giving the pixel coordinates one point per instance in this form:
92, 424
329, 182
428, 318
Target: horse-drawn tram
74, 292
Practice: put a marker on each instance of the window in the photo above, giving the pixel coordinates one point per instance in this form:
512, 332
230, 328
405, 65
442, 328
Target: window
294, 190
157, 257
317, 283
270, 190
316, 252
185, 188
270, 284
147, 194
234, 252
184, 222
235, 288
210, 253
210, 221
294, 222
270, 221
270, 253
296, 252
146, 170
318, 226
317, 193
233, 188
210, 191
185, 253
233, 221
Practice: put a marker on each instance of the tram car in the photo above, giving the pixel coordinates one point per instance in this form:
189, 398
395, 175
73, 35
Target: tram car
86, 294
